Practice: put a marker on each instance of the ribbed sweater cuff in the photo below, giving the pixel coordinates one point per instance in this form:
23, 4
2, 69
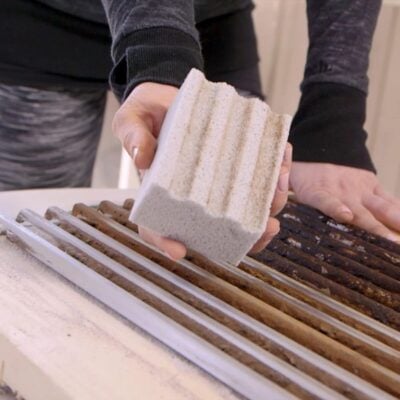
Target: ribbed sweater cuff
328, 126
161, 55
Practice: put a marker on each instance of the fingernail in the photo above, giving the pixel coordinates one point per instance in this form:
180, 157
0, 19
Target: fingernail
283, 184
393, 237
345, 210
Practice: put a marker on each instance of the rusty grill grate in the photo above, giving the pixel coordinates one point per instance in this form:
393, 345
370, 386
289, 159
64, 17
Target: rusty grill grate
316, 316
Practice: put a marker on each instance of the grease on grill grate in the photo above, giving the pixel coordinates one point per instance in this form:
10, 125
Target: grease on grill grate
318, 285
357, 268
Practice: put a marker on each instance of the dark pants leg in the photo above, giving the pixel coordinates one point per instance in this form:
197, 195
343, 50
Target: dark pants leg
48, 138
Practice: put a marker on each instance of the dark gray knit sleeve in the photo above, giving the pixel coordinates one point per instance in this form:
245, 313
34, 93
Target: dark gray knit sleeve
329, 124
340, 35
153, 41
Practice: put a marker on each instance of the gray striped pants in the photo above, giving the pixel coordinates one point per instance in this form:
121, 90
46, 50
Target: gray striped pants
48, 138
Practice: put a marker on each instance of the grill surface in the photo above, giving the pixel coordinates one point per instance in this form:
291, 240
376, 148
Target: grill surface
316, 316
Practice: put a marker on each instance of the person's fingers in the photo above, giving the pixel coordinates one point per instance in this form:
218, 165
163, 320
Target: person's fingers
364, 219
379, 191
173, 249
384, 210
135, 134
140, 139
395, 237
281, 194
329, 204
272, 229
287, 157
282, 189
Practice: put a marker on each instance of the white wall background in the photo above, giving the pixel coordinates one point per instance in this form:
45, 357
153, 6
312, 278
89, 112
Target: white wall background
282, 38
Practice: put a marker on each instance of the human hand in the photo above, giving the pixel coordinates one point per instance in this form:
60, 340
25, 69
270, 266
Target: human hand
138, 121
348, 195
279, 201
137, 124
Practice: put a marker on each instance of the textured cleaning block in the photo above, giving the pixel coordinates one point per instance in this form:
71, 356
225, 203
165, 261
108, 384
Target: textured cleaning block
216, 168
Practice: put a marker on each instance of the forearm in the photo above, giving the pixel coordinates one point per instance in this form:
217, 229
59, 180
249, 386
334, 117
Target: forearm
153, 41
328, 126
340, 35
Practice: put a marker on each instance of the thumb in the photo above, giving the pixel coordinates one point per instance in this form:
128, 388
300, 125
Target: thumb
173, 249
135, 135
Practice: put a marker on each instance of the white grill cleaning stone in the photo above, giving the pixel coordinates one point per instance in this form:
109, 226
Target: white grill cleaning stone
216, 168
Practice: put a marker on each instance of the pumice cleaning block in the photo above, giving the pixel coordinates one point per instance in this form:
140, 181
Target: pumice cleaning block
215, 171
